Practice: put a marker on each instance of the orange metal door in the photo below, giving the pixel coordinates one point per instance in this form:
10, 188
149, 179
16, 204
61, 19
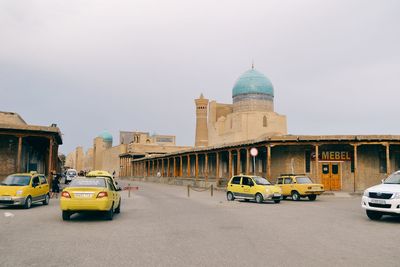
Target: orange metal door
326, 175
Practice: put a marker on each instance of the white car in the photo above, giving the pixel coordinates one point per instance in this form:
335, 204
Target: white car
383, 199
70, 174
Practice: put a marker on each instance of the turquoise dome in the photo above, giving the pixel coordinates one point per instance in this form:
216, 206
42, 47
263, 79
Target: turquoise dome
107, 137
253, 82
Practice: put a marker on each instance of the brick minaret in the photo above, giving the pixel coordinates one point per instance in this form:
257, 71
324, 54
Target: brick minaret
201, 121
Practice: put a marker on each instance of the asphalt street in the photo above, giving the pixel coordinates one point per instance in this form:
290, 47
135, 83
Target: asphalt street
160, 226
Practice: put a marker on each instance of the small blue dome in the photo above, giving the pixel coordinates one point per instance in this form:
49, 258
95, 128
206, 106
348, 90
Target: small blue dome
107, 137
253, 82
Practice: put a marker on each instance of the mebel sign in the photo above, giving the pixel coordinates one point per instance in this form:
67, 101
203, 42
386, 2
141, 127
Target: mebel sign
333, 156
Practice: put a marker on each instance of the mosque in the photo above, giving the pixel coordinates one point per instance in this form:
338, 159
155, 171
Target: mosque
225, 134
249, 117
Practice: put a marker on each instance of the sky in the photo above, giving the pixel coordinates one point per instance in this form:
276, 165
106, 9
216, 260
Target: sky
129, 65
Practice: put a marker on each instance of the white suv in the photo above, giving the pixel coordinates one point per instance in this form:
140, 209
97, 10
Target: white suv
383, 199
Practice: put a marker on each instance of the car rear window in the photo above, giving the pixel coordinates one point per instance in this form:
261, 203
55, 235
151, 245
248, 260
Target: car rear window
303, 180
92, 182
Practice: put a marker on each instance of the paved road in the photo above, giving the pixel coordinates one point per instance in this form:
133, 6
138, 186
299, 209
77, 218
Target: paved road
160, 226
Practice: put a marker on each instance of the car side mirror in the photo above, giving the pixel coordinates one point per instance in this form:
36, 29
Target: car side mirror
383, 181
118, 188
34, 185
116, 182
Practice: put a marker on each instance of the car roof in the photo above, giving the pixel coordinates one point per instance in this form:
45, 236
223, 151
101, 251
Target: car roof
33, 173
99, 173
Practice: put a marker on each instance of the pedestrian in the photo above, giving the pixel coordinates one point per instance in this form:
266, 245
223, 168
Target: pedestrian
113, 174
55, 186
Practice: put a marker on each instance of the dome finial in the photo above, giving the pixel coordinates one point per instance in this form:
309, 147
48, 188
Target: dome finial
252, 64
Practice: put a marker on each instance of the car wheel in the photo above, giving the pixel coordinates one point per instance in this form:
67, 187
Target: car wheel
118, 209
230, 196
28, 203
259, 198
374, 215
295, 196
110, 213
277, 201
46, 200
312, 197
66, 215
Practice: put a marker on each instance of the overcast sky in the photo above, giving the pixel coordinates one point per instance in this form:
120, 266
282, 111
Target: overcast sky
138, 64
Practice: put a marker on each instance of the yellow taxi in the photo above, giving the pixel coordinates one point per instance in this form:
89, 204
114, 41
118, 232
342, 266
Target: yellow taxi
249, 187
90, 194
298, 186
23, 189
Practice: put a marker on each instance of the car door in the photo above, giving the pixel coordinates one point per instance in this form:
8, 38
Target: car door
246, 182
235, 186
44, 186
287, 186
36, 189
113, 192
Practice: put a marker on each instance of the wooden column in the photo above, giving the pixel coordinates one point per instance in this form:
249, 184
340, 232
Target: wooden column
355, 168
162, 167
388, 167
168, 167
50, 157
217, 166
196, 170
180, 166
269, 162
230, 163
174, 167
247, 160
238, 165
188, 166
317, 163
206, 166
19, 154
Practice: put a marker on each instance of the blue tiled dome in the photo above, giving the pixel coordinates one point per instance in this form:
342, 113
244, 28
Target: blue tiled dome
253, 82
107, 137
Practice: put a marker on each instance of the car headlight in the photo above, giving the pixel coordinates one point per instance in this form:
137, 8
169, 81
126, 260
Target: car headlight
397, 195
19, 192
267, 190
366, 193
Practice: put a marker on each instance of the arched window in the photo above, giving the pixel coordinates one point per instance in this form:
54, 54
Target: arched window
265, 121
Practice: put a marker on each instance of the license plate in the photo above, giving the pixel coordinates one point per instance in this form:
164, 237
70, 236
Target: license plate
277, 195
83, 195
316, 188
378, 201
5, 198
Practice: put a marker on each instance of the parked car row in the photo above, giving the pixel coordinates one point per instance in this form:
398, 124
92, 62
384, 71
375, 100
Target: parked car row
98, 191
259, 189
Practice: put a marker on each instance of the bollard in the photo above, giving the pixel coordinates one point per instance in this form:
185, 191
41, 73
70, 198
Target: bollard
129, 190
188, 190
212, 190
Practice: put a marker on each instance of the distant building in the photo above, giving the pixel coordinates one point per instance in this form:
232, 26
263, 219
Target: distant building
25, 148
104, 156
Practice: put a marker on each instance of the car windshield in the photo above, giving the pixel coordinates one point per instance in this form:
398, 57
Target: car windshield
303, 180
92, 182
16, 180
261, 181
393, 179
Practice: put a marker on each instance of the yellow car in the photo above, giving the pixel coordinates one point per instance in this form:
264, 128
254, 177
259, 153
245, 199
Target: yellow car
90, 194
298, 186
252, 188
23, 189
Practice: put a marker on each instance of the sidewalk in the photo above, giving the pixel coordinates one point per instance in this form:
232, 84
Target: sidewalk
342, 194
